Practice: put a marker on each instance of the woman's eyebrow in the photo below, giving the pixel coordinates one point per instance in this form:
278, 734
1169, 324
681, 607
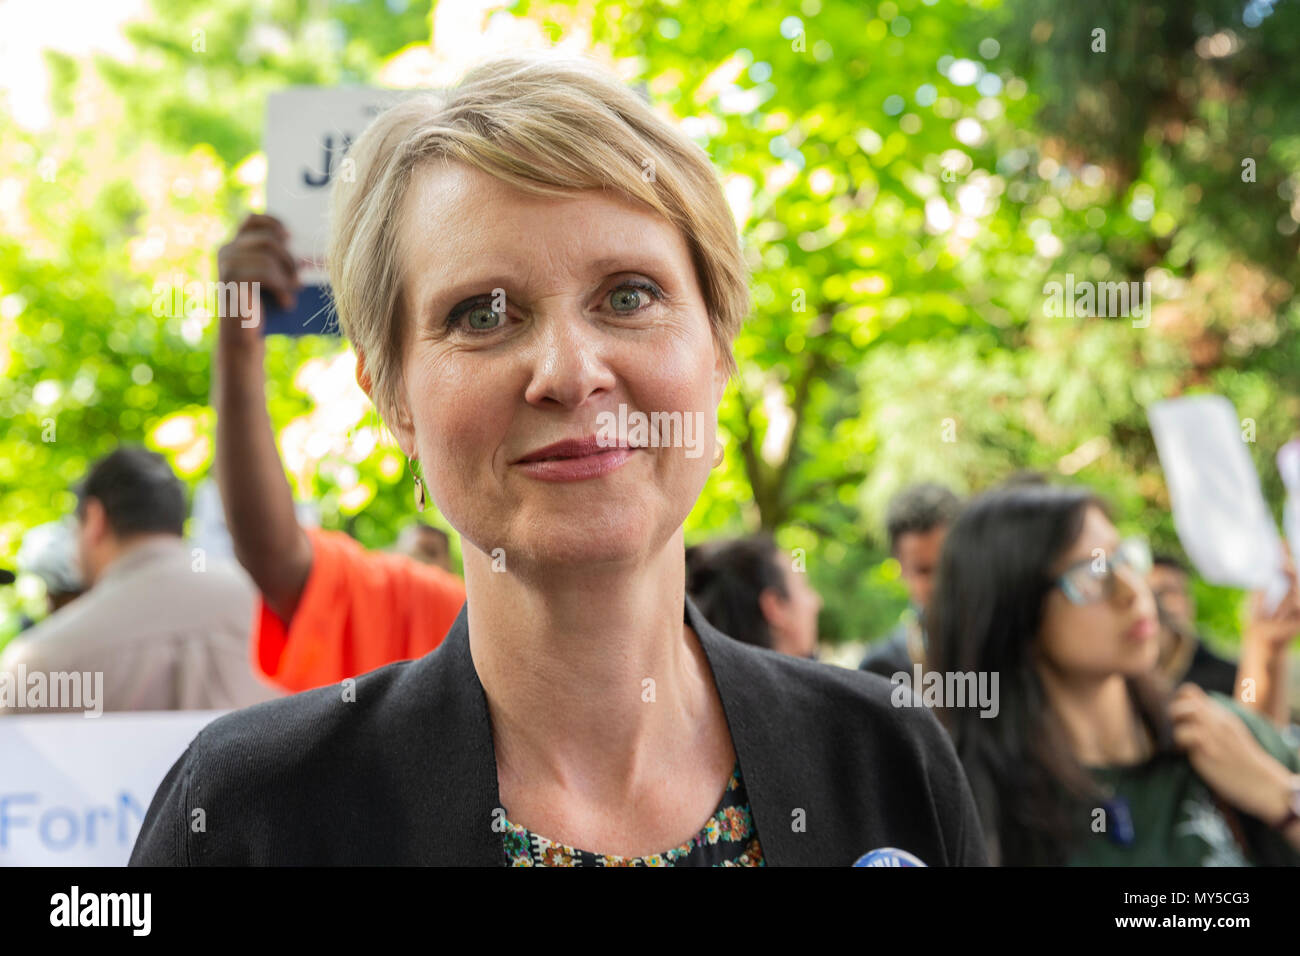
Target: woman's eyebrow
629, 262
470, 287
441, 298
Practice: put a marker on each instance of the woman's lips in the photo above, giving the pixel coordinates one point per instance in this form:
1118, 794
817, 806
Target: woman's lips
600, 462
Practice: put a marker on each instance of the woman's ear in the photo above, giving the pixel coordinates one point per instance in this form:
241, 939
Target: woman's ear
398, 422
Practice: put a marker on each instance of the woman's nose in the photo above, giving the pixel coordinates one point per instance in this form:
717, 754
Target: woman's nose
1127, 585
569, 361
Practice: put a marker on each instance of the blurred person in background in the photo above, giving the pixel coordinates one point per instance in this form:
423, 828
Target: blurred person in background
8, 577
744, 587
1089, 759
49, 551
1183, 655
168, 630
426, 544
915, 521
1260, 679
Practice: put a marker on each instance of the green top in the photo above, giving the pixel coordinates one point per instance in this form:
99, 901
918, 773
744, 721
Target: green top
1175, 819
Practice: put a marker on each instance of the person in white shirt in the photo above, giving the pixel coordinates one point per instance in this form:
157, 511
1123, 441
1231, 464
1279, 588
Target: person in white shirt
166, 627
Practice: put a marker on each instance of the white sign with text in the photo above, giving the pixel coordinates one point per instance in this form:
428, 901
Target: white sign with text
73, 792
308, 133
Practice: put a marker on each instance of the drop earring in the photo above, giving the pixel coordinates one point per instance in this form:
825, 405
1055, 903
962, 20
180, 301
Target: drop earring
419, 487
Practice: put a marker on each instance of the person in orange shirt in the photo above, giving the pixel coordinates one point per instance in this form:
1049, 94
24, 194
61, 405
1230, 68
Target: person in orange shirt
328, 609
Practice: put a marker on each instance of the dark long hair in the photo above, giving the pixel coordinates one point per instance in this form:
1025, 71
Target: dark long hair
984, 616
725, 578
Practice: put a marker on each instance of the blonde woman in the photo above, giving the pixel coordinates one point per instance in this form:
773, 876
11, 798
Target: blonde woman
516, 262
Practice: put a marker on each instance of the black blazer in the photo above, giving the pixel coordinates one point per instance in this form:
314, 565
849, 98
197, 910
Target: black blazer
406, 772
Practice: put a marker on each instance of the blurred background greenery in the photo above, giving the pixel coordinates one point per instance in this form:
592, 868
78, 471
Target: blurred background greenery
907, 176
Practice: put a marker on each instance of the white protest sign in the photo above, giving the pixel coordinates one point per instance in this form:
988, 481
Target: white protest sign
1222, 519
73, 792
308, 132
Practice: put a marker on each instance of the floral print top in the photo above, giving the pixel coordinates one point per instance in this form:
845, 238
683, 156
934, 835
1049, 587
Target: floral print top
727, 839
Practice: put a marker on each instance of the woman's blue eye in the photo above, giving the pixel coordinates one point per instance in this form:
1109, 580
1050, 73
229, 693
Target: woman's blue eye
481, 318
630, 294
647, 287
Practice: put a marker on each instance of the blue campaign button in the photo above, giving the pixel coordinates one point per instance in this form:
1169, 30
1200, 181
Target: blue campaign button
888, 856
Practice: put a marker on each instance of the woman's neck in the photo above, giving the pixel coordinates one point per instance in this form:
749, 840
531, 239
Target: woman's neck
594, 684
1100, 720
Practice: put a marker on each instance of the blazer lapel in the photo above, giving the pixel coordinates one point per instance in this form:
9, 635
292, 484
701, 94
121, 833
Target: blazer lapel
462, 800
766, 737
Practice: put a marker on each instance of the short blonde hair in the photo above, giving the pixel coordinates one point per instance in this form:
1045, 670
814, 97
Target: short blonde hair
544, 123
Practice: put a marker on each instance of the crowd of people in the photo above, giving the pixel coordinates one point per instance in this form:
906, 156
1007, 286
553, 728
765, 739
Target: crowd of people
1110, 699
1120, 737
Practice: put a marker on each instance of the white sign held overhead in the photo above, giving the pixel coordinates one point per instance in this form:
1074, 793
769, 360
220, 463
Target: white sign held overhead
1222, 519
1288, 466
308, 132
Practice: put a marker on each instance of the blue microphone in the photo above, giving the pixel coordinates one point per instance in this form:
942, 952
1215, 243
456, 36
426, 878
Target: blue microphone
888, 856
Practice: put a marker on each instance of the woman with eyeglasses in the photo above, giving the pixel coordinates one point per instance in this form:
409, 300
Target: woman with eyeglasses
1088, 761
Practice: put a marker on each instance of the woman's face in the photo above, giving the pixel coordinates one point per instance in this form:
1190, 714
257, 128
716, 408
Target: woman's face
531, 320
1116, 635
